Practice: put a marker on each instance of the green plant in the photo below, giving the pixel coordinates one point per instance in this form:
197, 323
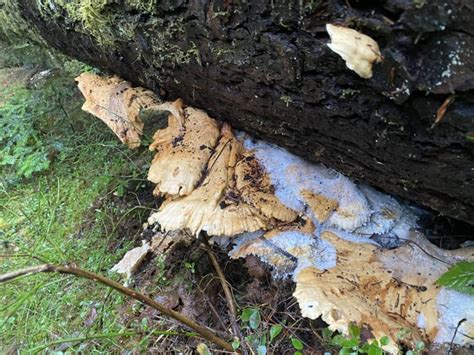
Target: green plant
62, 214
298, 345
257, 339
31, 123
260, 337
191, 266
459, 277
22, 148
353, 344
419, 348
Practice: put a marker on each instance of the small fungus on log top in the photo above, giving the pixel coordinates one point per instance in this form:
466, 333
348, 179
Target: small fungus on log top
359, 51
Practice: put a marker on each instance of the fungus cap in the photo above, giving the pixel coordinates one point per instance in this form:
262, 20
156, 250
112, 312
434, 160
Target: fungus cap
359, 51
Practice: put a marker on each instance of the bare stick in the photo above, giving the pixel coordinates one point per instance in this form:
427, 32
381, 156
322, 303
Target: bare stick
227, 292
72, 270
224, 284
450, 351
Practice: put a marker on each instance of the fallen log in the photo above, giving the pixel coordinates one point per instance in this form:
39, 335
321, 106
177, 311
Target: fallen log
266, 68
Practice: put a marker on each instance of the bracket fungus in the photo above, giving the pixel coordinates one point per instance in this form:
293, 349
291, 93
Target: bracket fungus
359, 51
353, 251
117, 103
183, 149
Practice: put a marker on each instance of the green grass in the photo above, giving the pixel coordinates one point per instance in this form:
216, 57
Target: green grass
54, 215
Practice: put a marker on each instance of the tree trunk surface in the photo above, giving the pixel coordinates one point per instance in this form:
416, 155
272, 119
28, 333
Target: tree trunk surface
265, 67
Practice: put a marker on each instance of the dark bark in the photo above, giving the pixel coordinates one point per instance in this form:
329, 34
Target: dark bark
265, 68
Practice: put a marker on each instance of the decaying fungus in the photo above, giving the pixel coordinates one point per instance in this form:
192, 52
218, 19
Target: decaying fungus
389, 290
255, 187
132, 260
183, 149
211, 206
351, 250
117, 103
359, 51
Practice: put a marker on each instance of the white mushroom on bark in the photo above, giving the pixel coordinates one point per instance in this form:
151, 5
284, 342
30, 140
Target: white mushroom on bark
358, 50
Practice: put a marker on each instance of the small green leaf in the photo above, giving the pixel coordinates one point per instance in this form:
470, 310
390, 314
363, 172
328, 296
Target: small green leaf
246, 313
374, 350
254, 320
354, 330
470, 136
338, 340
365, 348
347, 351
327, 334
384, 340
403, 333
409, 352
275, 330
350, 343
120, 190
459, 277
419, 345
144, 323
298, 353
297, 344
235, 344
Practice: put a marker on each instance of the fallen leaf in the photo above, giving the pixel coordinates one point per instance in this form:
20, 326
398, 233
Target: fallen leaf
442, 111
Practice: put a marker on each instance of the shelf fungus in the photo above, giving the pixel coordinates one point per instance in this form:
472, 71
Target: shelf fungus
353, 252
359, 51
183, 149
117, 103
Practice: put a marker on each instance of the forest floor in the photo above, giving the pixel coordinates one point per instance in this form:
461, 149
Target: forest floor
87, 206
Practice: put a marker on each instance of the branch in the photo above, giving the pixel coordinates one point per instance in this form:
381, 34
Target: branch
72, 270
228, 293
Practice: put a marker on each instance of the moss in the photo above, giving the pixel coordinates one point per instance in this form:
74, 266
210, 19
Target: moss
96, 17
167, 48
12, 25
286, 99
93, 15
419, 3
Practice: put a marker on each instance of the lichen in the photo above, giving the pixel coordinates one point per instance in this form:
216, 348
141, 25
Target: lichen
143, 5
167, 50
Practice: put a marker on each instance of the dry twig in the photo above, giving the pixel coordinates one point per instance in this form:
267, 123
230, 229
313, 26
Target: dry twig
227, 292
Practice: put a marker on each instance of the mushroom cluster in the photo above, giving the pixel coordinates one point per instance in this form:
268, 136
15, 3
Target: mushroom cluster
351, 249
